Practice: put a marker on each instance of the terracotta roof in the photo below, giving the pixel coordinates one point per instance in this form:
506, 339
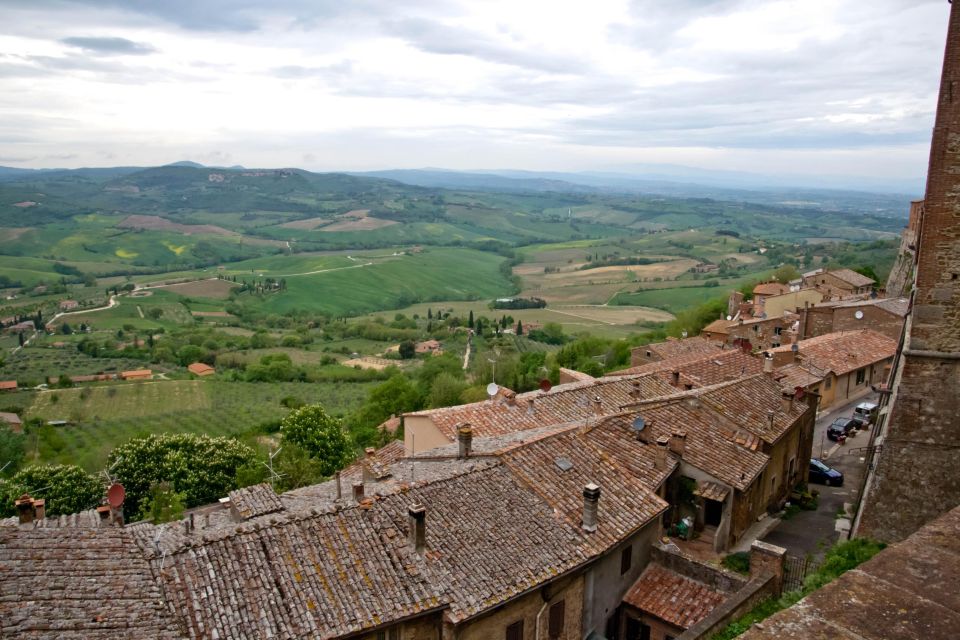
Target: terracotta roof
8, 384
711, 491
575, 375
793, 375
844, 351
10, 418
852, 277
770, 289
675, 599
719, 326
896, 306
136, 373
563, 403
201, 369
78, 583
702, 369
755, 404
908, 590
258, 500
674, 348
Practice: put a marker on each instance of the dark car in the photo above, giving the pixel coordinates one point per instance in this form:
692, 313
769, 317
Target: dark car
841, 427
822, 474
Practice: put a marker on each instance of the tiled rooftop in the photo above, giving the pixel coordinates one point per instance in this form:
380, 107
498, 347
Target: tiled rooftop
673, 348
563, 403
701, 369
257, 500
675, 599
78, 583
852, 277
844, 351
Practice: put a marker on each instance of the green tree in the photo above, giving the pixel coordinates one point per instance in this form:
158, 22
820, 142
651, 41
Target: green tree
155, 312
163, 504
470, 319
66, 488
321, 436
445, 391
407, 349
786, 273
12, 446
202, 468
188, 354
519, 328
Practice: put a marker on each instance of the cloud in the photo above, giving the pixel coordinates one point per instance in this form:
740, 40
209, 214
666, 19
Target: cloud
108, 46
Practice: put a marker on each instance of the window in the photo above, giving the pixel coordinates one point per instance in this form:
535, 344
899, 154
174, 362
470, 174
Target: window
861, 376
515, 631
626, 559
828, 382
389, 634
555, 624
777, 331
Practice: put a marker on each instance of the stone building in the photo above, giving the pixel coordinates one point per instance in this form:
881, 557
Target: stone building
915, 453
838, 283
672, 348
883, 315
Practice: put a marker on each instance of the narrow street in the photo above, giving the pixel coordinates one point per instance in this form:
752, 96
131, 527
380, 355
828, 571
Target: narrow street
812, 532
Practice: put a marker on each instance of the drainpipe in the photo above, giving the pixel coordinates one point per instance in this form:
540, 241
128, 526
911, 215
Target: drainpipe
536, 634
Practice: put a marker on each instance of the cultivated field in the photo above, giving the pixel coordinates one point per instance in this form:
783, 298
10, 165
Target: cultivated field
212, 288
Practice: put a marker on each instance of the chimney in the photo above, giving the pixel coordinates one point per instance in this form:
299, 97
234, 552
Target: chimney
339, 487
660, 462
768, 363
28, 509
511, 398
369, 459
678, 442
357, 492
635, 389
531, 406
771, 414
786, 402
675, 379
597, 406
591, 500
417, 520
464, 439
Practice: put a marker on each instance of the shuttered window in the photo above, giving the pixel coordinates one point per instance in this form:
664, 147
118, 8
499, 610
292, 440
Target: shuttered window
515, 631
626, 559
555, 626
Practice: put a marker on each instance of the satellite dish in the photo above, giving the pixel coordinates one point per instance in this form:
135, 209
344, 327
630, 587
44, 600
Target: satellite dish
858, 315
545, 385
492, 389
115, 495
639, 424
729, 318
684, 333
795, 347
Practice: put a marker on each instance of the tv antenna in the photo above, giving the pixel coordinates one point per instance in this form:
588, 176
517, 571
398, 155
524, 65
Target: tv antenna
274, 476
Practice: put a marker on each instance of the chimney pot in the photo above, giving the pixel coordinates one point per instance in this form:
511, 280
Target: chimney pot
635, 389
417, 517
591, 501
370, 452
768, 362
465, 440
660, 462
676, 378
678, 442
786, 402
597, 406
357, 491
27, 509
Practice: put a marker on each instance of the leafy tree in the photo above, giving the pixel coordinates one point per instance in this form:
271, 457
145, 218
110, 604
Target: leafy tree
393, 397
407, 349
867, 270
786, 273
519, 327
202, 468
66, 488
11, 449
445, 391
470, 319
163, 504
155, 312
189, 353
321, 436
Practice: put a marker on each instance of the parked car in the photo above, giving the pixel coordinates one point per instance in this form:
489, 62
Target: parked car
841, 427
865, 414
822, 474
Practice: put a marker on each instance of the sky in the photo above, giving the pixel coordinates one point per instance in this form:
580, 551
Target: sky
809, 87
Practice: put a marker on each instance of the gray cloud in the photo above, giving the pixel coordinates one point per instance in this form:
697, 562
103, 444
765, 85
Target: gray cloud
108, 46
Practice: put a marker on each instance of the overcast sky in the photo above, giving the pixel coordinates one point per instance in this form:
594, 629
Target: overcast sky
844, 87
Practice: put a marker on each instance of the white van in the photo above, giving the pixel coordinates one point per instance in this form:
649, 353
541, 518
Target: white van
865, 413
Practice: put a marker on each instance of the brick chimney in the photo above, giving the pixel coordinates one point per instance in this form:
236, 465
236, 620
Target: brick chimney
591, 501
678, 442
464, 440
786, 402
675, 378
357, 492
510, 397
660, 462
367, 464
417, 521
635, 389
29, 509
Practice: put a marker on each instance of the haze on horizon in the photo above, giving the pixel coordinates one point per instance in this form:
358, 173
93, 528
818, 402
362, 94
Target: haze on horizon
816, 87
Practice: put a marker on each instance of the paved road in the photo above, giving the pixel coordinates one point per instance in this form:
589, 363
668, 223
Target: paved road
812, 532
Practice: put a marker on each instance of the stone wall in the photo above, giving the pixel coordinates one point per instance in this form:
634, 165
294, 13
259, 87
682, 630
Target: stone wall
915, 476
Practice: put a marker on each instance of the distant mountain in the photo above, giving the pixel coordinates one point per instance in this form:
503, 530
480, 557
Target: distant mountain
444, 179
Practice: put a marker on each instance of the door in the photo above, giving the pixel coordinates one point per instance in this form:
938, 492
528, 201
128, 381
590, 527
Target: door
713, 512
636, 630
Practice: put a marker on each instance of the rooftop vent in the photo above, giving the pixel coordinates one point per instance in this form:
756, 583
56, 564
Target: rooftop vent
563, 464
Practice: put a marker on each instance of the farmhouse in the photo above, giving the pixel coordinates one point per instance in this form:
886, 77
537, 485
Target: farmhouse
8, 385
21, 327
12, 420
201, 369
428, 346
138, 374
68, 305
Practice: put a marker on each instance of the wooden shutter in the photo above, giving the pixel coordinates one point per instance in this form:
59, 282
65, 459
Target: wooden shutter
555, 626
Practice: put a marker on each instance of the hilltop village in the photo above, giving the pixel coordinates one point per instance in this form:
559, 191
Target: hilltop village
665, 500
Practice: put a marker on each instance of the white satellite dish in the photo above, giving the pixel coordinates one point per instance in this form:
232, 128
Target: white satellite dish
858, 315
492, 389
729, 318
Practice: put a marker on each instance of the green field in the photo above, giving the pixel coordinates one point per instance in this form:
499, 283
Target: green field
108, 415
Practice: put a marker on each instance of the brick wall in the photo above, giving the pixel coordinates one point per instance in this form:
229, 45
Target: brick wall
875, 318
915, 476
